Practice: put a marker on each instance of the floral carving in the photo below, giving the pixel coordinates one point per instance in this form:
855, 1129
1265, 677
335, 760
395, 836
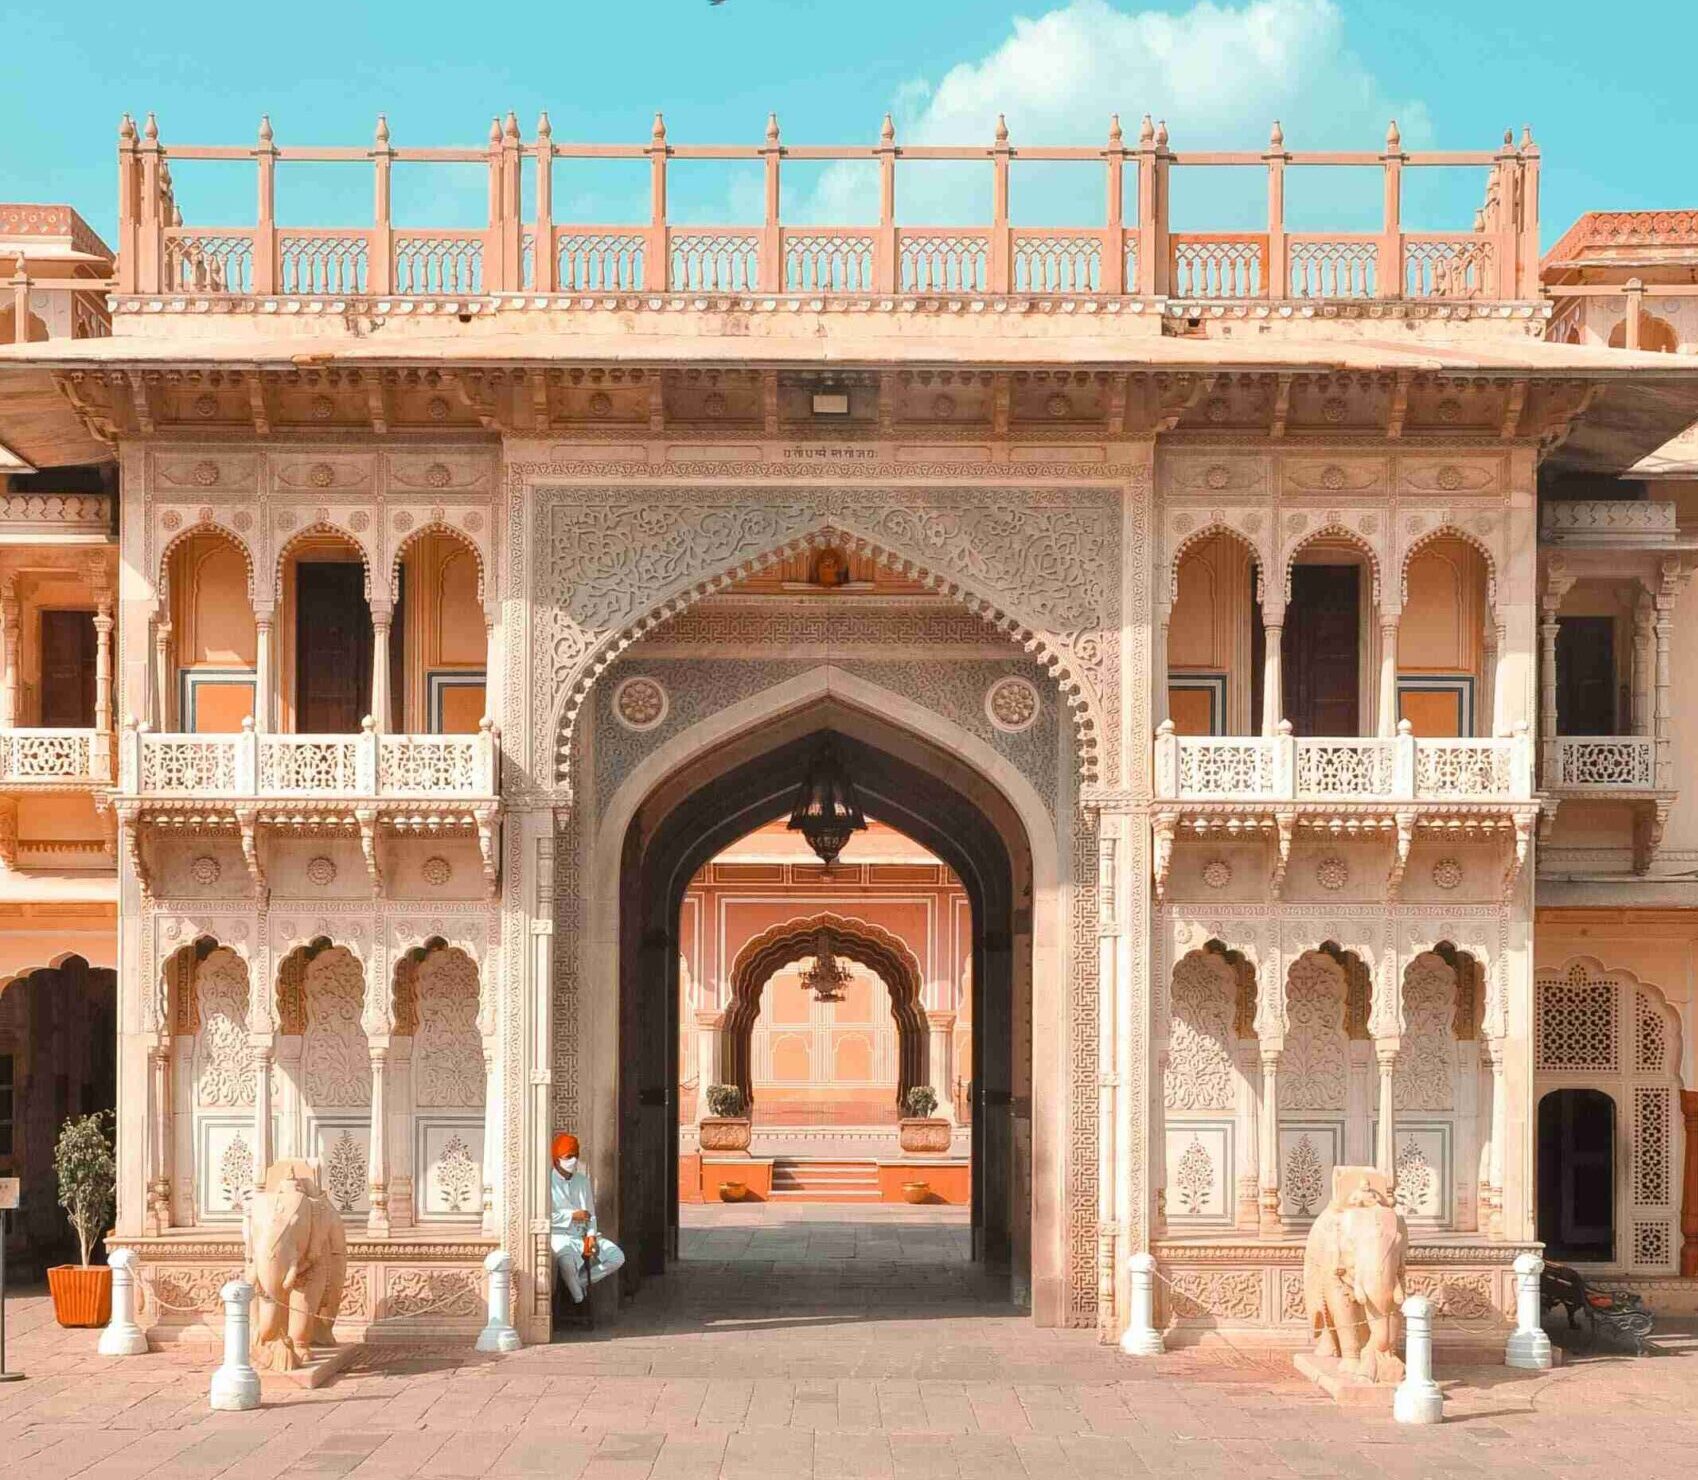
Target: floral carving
1449, 477
338, 1067
1332, 476
943, 406
1303, 1179
436, 1292
1194, 1178
713, 403
1217, 409
206, 406
359, 521
436, 475
354, 1291
601, 404
205, 870
1449, 410
205, 472
1414, 1174
171, 521
224, 1062
322, 408
1229, 1294
1312, 1068
1217, 873
447, 1050
236, 1171
436, 409
1012, 704
1447, 873
1332, 872
321, 475
1460, 1296
345, 1171
640, 702
1333, 409
1218, 476
1059, 406
321, 871
1426, 1063
180, 1291
436, 871
456, 1175
1200, 1074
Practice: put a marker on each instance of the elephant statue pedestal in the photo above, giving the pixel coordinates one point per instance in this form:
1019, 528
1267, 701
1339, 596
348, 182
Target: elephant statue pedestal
297, 1262
1353, 1290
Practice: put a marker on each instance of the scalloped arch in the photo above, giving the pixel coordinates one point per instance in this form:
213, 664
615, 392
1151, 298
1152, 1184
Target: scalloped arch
1333, 531
1071, 687
318, 529
1197, 537
437, 526
162, 574
1621, 975
1453, 532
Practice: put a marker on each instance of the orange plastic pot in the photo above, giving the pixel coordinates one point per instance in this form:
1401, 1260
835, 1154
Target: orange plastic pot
82, 1294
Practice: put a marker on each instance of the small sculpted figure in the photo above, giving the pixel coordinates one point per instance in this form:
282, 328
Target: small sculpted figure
1353, 1275
581, 1254
297, 1261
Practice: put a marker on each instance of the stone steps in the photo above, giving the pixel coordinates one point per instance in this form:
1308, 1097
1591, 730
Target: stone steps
796, 1180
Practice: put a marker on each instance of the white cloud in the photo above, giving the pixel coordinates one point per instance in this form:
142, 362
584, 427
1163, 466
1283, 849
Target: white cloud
1219, 75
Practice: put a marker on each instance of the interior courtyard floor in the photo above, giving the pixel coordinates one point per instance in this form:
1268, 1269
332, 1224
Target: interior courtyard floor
825, 1342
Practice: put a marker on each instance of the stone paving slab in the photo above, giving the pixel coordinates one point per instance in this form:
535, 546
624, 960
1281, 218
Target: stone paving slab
915, 1369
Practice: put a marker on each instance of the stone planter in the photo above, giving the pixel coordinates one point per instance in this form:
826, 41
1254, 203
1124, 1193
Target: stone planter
733, 1191
82, 1294
917, 1192
928, 1137
726, 1133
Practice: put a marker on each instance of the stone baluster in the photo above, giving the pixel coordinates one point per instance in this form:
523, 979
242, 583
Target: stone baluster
1267, 1148
235, 1385
1418, 1398
377, 1161
499, 1333
1141, 1338
1528, 1346
122, 1336
103, 666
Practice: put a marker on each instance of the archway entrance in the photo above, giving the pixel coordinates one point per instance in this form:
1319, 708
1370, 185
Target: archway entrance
919, 791
1577, 1174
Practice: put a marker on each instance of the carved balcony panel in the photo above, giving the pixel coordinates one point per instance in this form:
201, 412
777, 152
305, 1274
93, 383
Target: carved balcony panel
1635, 523
1604, 764
55, 760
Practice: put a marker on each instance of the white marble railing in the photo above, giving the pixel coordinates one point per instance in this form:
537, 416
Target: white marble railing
1286, 767
1601, 763
47, 757
310, 766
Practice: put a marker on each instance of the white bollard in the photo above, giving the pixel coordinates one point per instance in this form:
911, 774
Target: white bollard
122, 1336
1528, 1345
499, 1335
1418, 1399
235, 1385
1141, 1339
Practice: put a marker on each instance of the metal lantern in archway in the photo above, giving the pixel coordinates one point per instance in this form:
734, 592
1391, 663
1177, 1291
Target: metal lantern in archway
828, 976
827, 812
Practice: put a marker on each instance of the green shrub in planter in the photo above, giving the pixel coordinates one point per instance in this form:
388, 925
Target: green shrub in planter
88, 1177
725, 1101
920, 1103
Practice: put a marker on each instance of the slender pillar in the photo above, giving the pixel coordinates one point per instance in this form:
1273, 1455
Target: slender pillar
159, 1132
9, 649
377, 1163
491, 1134
940, 1032
263, 682
1158, 669
1500, 1128
1486, 713
1388, 677
1273, 674
262, 1056
1661, 716
1548, 689
103, 667
1643, 617
1385, 1144
1247, 1194
161, 713
1267, 1150
380, 671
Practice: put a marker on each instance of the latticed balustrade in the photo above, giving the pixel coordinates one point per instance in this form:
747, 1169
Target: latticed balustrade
52, 756
310, 766
1604, 762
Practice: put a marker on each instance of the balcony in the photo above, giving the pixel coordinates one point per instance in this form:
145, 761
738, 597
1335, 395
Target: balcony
1610, 523
55, 760
1364, 787
1633, 769
365, 783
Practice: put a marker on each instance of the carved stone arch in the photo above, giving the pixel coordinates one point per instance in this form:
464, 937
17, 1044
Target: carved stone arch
1319, 1014
874, 947
1260, 561
1066, 657
1333, 529
1448, 530
448, 1062
174, 1008
1206, 1017
459, 536
162, 573
319, 529
410, 953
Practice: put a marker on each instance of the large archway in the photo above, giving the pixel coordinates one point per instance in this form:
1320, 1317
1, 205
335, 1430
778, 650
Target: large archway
906, 781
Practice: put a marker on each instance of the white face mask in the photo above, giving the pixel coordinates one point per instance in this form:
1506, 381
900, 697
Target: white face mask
569, 1166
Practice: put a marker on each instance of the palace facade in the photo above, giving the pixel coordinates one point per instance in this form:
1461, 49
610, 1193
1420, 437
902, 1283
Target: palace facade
1270, 638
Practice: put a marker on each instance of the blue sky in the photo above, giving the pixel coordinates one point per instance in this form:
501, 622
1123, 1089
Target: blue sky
1615, 121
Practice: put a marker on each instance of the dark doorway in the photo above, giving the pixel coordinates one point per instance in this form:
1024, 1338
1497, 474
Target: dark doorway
1585, 661
332, 648
67, 670
680, 829
1322, 644
1577, 1174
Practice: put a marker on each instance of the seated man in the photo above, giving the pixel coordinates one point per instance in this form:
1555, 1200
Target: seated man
582, 1255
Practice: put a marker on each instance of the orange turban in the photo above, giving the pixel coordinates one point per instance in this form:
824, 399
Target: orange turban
565, 1144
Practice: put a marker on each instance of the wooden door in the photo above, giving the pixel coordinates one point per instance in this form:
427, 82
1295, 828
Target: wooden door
1576, 1201
332, 648
1322, 650
1585, 656
67, 670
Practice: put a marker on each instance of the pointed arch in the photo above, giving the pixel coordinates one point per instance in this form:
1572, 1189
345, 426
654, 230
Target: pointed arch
162, 573
1333, 529
437, 526
1065, 659
1200, 537
1450, 531
319, 529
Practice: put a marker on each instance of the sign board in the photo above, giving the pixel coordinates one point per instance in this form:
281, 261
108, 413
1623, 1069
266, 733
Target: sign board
9, 1192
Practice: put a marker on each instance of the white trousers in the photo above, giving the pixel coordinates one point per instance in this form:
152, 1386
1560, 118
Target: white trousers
573, 1267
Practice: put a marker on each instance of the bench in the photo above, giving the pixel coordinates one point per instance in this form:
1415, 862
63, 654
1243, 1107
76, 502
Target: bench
1617, 1312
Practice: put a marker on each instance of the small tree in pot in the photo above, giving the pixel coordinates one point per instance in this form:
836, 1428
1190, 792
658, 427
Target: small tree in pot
921, 1131
725, 1127
88, 1176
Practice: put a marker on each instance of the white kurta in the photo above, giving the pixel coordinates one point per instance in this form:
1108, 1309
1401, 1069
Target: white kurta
566, 1196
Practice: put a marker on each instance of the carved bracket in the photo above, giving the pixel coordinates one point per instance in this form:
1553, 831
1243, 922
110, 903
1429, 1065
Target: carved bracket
1525, 823
1649, 819
1164, 830
247, 821
489, 850
1400, 858
366, 818
1286, 824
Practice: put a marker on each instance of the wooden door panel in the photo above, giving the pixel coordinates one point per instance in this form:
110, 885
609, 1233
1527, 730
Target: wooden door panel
67, 670
1586, 676
332, 648
1322, 650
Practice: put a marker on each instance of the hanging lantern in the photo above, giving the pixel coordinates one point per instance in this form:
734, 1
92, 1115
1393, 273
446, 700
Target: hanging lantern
828, 976
827, 811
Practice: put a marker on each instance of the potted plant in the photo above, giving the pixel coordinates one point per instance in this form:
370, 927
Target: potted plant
921, 1131
82, 1158
725, 1127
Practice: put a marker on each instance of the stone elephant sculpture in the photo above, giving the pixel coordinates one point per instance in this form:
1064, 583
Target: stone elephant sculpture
297, 1262
1353, 1275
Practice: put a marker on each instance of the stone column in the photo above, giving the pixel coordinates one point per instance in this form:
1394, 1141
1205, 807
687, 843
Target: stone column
263, 680
159, 1132
492, 1117
1661, 711
1548, 688
380, 671
1388, 676
377, 1161
1273, 680
940, 1058
1385, 1145
1267, 1148
263, 1155
162, 674
1492, 1222
9, 648
1247, 1194
103, 666
1358, 1102
1158, 674
1643, 615
709, 1027
1486, 711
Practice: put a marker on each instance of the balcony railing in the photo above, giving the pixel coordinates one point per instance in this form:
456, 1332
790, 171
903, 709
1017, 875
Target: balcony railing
310, 767
1288, 768
52, 758
1601, 763
1608, 521
1131, 249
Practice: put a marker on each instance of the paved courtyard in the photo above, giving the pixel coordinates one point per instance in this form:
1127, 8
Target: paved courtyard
825, 1342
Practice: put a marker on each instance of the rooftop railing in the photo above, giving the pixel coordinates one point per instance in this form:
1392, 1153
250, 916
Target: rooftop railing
1134, 252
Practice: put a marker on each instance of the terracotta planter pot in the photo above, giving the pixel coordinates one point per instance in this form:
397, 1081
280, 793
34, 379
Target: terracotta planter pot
929, 1137
82, 1295
917, 1192
726, 1133
733, 1191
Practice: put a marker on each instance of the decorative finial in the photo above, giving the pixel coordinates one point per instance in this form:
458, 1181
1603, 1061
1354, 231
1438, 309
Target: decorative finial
1115, 137
494, 132
1001, 129
176, 214
1276, 137
1161, 134
512, 129
1526, 136
545, 130
887, 131
127, 129
265, 134
1394, 140
772, 128
659, 134
1479, 218
381, 137
1509, 138
150, 129
1146, 132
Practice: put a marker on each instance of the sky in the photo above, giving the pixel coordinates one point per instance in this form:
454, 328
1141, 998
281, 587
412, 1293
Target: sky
1612, 120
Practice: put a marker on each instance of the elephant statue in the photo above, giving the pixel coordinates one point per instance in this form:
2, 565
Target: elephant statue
297, 1262
1353, 1275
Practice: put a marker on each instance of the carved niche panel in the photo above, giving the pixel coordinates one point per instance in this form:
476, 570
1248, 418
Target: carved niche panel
1200, 1072
224, 1063
447, 1051
1425, 1070
336, 1062
1312, 1070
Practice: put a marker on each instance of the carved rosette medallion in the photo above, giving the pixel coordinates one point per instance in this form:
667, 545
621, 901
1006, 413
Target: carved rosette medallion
1217, 476
1012, 705
436, 475
321, 475
436, 871
321, 871
1332, 872
1447, 873
640, 702
1217, 873
205, 472
205, 870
